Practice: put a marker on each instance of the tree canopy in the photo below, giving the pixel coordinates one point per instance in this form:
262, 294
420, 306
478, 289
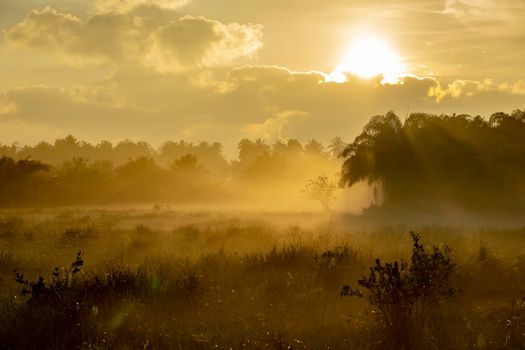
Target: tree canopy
431, 161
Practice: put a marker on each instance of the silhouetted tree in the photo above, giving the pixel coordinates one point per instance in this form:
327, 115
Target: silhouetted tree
19, 181
433, 161
336, 147
322, 190
314, 148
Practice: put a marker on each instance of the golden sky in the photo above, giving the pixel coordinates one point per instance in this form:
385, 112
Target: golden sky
220, 70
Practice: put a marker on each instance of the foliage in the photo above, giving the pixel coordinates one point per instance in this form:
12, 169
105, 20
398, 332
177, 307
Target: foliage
69, 310
71, 172
322, 190
432, 162
40, 292
53, 307
400, 290
171, 279
17, 178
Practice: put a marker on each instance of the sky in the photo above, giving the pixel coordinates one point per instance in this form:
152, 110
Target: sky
213, 70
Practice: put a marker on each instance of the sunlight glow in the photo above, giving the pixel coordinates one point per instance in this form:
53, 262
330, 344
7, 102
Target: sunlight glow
369, 57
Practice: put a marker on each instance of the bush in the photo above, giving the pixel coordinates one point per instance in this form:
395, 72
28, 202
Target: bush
53, 309
400, 291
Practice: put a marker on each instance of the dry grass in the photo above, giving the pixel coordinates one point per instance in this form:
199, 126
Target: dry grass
194, 280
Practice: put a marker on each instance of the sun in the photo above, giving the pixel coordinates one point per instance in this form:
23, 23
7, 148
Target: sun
368, 57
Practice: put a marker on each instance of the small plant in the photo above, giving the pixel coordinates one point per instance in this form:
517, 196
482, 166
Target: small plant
53, 308
321, 190
40, 291
400, 291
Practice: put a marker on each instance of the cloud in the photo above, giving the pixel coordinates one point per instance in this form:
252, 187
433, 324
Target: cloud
517, 88
156, 42
460, 88
6, 106
249, 101
495, 17
470, 88
128, 5
58, 111
197, 41
99, 38
272, 128
484, 10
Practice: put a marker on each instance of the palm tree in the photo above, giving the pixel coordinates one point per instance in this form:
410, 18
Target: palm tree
336, 147
380, 154
314, 148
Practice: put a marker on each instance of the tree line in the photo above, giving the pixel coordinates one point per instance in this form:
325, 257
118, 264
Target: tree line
424, 163
71, 172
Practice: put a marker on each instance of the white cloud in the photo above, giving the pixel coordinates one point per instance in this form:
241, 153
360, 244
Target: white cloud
197, 41
517, 88
460, 88
167, 45
491, 16
6, 106
272, 128
128, 5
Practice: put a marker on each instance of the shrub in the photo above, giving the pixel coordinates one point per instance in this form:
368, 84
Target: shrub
400, 291
53, 309
40, 291
73, 309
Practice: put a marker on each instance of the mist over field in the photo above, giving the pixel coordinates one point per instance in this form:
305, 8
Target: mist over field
428, 168
128, 246
278, 174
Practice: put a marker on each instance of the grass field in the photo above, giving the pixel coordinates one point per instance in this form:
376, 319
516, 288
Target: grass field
158, 278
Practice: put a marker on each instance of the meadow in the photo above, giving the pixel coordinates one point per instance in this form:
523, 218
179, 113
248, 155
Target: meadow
166, 278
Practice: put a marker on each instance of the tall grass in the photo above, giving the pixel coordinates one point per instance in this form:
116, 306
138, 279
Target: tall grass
183, 280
